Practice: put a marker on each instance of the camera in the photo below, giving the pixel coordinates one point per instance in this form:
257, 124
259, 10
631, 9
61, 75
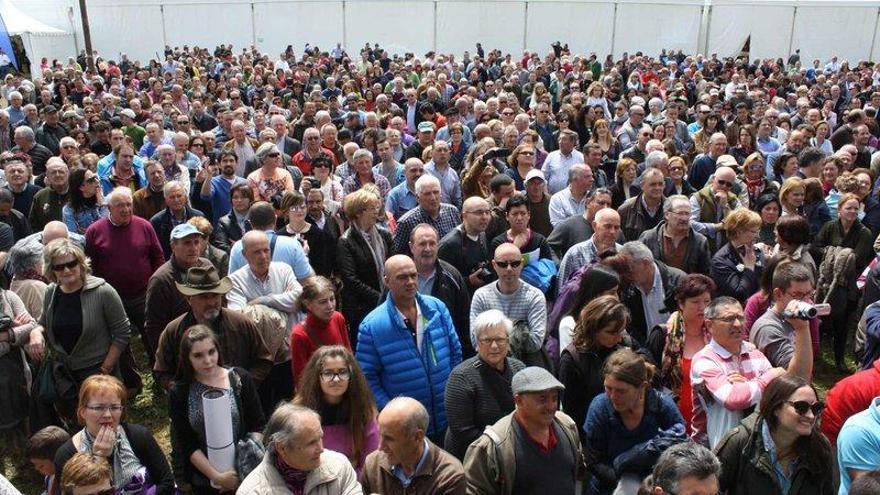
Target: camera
6, 323
485, 272
806, 311
496, 153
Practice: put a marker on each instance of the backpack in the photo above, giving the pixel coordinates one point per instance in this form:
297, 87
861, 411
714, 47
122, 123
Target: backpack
835, 272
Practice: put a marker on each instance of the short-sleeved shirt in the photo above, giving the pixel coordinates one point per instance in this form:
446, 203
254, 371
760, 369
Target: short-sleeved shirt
858, 445
287, 250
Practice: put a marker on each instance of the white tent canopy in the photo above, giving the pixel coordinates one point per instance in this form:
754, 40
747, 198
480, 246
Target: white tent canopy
820, 28
39, 39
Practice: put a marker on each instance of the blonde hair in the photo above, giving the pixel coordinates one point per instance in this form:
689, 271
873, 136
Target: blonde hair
790, 185
359, 201
741, 219
58, 249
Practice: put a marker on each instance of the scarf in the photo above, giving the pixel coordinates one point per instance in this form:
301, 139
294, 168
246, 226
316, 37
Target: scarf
377, 249
30, 274
293, 478
755, 186
126, 466
670, 368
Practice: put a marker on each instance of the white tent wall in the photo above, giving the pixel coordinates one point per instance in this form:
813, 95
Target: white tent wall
51, 46
818, 32
820, 28
768, 25
398, 26
495, 24
200, 24
587, 29
651, 27
293, 23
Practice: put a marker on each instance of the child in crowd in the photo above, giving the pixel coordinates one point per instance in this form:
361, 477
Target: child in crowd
41, 450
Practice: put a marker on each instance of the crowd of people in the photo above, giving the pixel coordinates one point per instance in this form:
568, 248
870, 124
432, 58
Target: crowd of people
484, 274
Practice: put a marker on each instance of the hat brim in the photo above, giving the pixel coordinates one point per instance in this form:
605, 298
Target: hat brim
223, 287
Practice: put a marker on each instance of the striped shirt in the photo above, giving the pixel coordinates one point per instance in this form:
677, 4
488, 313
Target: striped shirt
719, 405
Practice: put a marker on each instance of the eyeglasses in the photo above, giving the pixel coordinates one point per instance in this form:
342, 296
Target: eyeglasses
499, 341
801, 407
725, 183
676, 169
506, 113
527, 153
329, 376
730, 320
183, 122
114, 408
92, 180
508, 264
197, 145
61, 266
274, 155
312, 138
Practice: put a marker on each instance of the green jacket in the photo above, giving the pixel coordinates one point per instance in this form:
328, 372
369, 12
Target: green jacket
490, 463
47, 206
746, 468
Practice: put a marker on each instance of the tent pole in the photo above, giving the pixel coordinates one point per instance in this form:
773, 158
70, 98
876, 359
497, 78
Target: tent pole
614, 29
87, 34
874, 36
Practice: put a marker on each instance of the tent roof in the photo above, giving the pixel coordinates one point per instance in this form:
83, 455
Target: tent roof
18, 22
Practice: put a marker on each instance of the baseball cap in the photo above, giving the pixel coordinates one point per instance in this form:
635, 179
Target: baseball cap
535, 173
50, 109
534, 379
726, 161
183, 230
426, 127
128, 113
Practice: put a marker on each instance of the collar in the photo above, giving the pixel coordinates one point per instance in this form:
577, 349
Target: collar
552, 440
397, 469
724, 353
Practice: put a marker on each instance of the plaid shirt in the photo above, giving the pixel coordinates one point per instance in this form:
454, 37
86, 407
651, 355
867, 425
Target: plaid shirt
446, 220
353, 183
719, 405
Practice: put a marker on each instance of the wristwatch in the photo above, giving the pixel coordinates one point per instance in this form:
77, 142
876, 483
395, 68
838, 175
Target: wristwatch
740, 268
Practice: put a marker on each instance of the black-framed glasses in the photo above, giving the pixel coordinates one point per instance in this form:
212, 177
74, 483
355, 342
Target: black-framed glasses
508, 264
61, 266
801, 407
725, 183
274, 155
92, 180
329, 376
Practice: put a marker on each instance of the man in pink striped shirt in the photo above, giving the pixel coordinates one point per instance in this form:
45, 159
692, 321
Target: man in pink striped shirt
729, 375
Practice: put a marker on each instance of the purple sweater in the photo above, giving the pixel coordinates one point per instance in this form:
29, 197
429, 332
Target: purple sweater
125, 256
338, 438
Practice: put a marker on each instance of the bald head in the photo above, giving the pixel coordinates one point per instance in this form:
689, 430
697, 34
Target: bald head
507, 248
54, 230
474, 203
606, 214
253, 237
405, 413
396, 263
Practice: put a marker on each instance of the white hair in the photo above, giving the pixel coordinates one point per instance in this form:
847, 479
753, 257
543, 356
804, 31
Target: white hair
491, 318
424, 181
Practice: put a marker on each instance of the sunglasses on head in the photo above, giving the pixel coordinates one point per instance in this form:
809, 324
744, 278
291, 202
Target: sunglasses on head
801, 407
61, 266
508, 264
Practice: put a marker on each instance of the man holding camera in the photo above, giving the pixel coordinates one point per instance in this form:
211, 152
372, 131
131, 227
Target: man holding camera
790, 312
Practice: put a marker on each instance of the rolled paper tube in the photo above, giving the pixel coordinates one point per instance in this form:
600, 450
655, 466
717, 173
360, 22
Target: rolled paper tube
218, 430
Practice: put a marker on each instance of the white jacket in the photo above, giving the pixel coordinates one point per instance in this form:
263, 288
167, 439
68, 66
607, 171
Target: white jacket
335, 476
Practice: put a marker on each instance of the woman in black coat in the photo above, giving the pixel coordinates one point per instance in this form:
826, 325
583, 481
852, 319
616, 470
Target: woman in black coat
360, 258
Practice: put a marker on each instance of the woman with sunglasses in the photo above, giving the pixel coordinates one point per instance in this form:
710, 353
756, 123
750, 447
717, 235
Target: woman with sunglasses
331, 184
138, 464
753, 175
85, 204
334, 386
272, 177
201, 370
82, 315
779, 449
677, 183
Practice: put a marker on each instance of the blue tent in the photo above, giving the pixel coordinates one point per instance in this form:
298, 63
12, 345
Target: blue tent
6, 42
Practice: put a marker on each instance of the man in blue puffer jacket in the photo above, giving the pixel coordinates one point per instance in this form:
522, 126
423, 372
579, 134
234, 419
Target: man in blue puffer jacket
408, 345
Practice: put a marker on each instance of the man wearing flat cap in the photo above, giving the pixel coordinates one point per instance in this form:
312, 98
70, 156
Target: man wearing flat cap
240, 342
534, 449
